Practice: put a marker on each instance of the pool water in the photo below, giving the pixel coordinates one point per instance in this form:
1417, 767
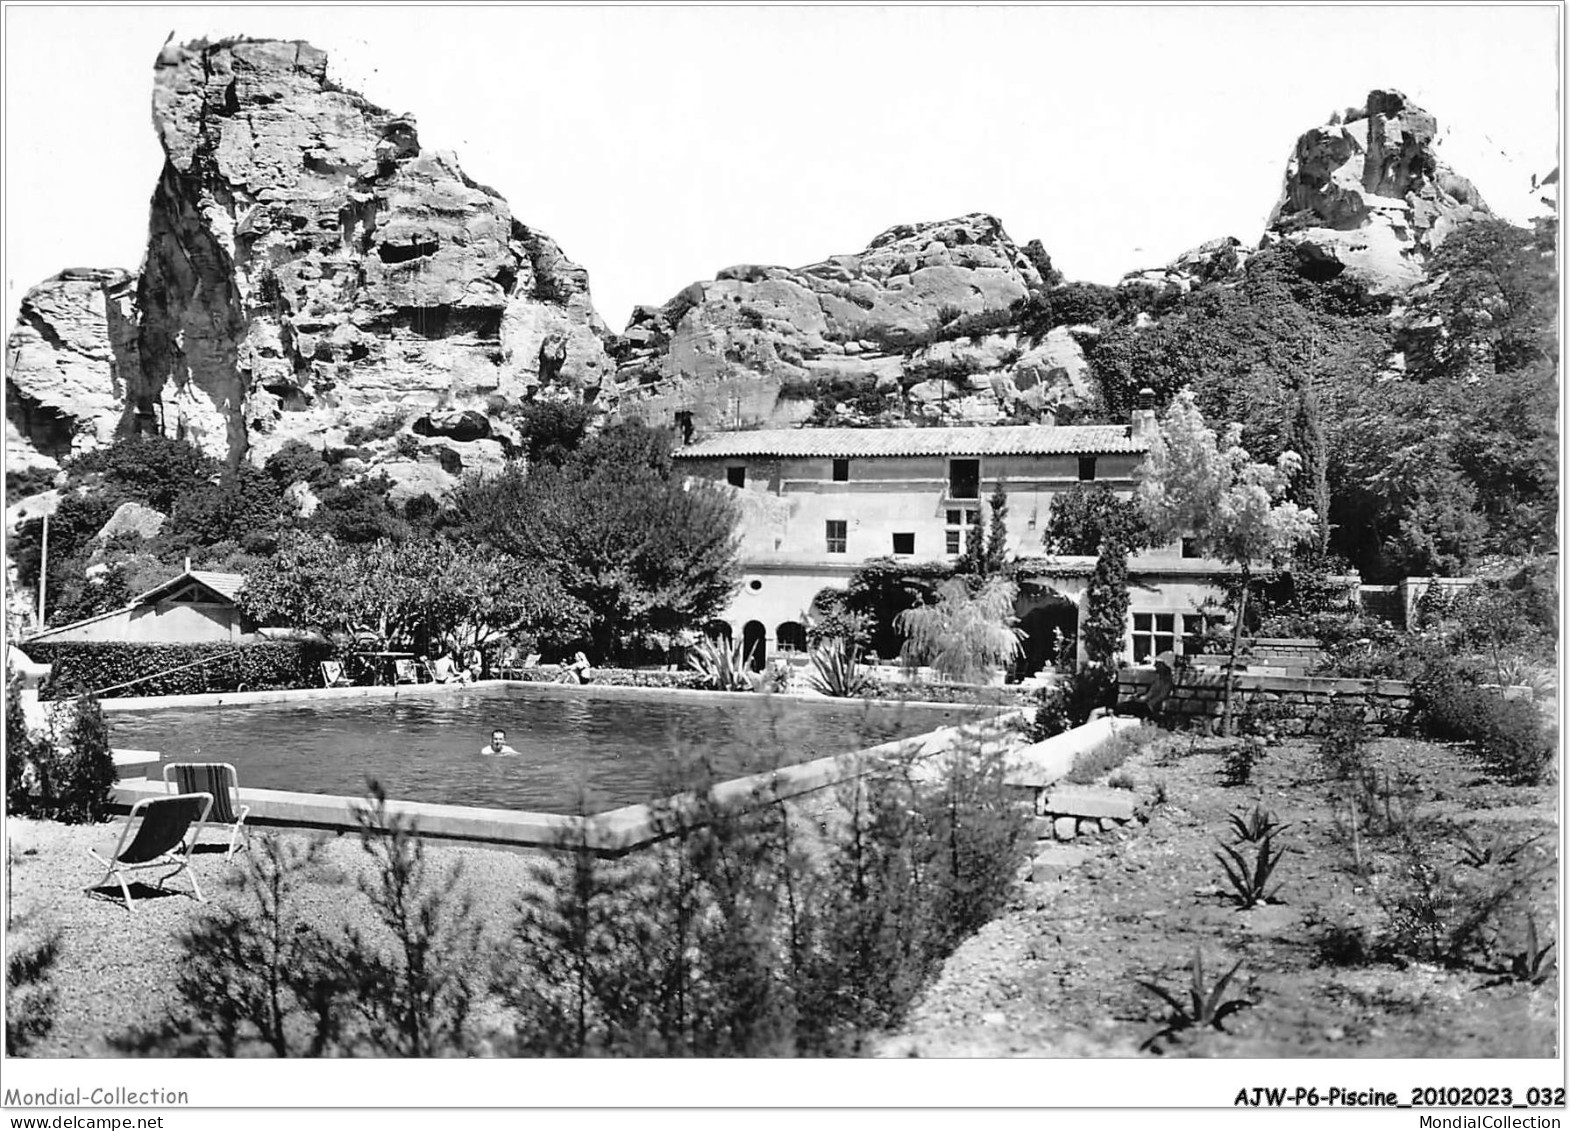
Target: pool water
607, 749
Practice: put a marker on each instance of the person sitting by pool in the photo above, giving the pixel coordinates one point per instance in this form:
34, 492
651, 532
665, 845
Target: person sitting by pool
580, 668
445, 668
473, 663
498, 745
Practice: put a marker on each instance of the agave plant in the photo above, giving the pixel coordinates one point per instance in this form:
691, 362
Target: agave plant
835, 671
1205, 1006
1250, 880
1533, 964
1256, 826
723, 664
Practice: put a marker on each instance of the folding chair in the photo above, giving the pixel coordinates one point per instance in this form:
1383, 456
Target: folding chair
222, 781
159, 841
332, 674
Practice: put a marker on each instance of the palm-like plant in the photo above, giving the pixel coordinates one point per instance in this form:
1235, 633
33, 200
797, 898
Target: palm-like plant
835, 671
964, 635
723, 664
1205, 1007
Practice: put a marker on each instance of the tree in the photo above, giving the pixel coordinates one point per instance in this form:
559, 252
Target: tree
1106, 612
1196, 483
1088, 515
629, 541
964, 635
427, 592
997, 531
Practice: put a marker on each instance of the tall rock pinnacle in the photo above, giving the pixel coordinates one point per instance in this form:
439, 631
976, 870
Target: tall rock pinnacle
1367, 195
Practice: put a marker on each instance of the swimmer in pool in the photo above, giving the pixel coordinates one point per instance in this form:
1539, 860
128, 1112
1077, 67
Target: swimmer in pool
498, 744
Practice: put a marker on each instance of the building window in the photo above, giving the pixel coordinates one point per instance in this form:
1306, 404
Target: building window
1153, 635
957, 522
736, 476
1191, 548
905, 543
836, 535
841, 470
1087, 468
1195, 626
964, 479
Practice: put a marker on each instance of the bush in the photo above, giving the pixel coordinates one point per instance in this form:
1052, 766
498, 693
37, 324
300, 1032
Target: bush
1508, 735
1051, 714
29, 992
735, 937
67, 775
101, 667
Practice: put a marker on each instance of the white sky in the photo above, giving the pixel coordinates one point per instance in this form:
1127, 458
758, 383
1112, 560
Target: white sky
659, 145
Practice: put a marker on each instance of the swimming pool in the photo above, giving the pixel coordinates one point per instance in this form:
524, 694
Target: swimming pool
611, 748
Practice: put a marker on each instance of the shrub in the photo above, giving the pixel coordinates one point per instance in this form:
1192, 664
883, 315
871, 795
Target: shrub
1108, 756
735, 936
1205, 1007
260, 977
721, 664
416, 979
1051, 714
1093, 687
150, 668
78, 781
66, 774
1438, 913
1507, 735
29, 994
835, 672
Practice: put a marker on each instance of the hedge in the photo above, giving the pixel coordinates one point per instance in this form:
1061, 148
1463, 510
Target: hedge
81, 667
618, 677
986, 695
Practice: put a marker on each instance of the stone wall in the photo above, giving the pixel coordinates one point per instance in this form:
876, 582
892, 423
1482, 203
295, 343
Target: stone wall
1299, 704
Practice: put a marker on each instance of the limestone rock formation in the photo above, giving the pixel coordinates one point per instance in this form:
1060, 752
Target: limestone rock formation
69, 362
310, 265
309, 261
133, 518
1367, 195
911, 326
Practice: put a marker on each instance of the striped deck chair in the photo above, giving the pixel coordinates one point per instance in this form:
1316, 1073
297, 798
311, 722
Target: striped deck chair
159, 841
332, 674
222, 781
404, 671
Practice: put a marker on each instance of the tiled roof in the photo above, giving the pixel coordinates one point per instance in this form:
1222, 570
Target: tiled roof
1004, 440
225, 585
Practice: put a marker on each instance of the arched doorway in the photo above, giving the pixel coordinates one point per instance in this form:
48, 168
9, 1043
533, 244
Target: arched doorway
754, 643
1051, 627
790, 636
718, 631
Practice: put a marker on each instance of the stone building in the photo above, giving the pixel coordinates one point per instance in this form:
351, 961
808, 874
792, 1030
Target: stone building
818, 503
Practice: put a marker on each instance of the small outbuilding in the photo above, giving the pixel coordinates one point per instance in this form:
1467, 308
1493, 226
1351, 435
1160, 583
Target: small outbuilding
197, 607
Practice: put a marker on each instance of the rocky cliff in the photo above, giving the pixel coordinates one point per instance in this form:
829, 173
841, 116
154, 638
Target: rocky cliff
1366, 195
70, 362
313, 271
312, 266
922, 324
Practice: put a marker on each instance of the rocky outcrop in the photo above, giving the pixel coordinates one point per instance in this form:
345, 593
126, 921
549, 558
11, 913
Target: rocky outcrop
310, 261
1366, 195
310, 265
69, 362
918, 325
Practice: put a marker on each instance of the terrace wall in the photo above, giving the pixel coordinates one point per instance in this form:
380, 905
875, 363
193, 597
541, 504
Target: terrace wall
1298, 704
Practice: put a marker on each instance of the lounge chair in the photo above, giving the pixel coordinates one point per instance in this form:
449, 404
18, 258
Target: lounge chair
220, 780
159, 841
332, 674
404, 671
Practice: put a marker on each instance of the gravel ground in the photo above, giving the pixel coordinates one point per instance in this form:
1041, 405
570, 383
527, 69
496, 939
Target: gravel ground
116, 967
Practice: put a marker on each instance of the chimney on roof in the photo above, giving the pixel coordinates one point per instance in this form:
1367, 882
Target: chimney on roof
684, 425
1142, 421
188, 563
